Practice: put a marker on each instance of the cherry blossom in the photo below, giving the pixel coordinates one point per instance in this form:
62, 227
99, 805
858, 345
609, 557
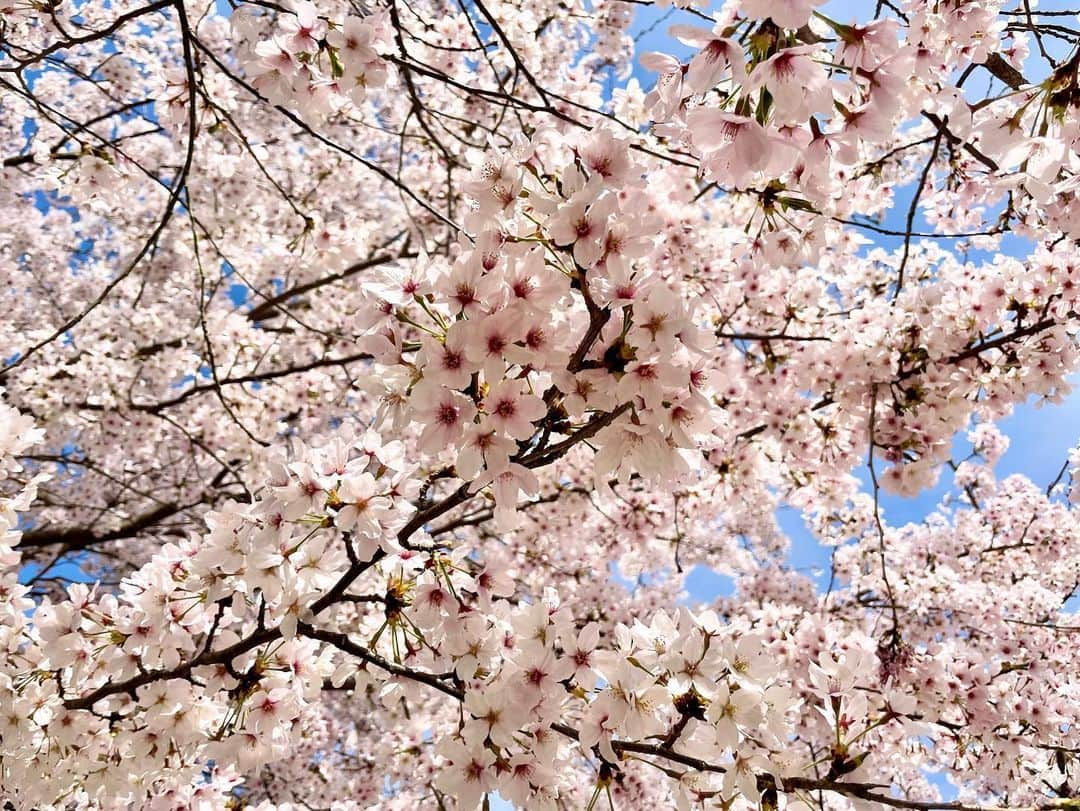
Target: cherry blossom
377, 376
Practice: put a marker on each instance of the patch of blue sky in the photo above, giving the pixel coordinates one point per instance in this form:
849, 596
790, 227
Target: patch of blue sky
704, 580
69, 462
238, 293
45, 201
63, 572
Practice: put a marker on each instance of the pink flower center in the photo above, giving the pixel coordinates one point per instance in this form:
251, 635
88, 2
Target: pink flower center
447, 415
451, 360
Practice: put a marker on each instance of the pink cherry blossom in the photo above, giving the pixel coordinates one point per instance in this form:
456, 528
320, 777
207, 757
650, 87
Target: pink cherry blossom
381, 381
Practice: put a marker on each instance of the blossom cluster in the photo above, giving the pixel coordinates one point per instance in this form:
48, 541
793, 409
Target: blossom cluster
312, 62
383, 379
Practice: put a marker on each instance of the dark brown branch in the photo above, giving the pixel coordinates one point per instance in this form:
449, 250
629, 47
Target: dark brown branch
1002, 70
909, 225
254, 377
81, 538
268, 308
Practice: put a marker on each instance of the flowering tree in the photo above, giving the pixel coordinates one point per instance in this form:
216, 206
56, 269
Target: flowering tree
351, 349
